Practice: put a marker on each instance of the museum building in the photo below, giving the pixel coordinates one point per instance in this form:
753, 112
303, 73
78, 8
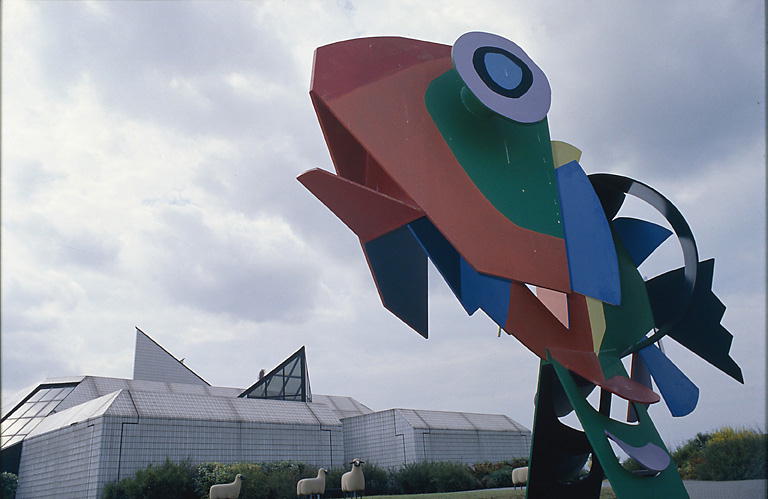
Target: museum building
68, 437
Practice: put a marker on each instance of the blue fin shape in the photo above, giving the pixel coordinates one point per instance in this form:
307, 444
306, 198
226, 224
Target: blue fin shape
699, 330
592, 260
640, 238
399, 268
679, 392
443, 255
489, 293
473, 289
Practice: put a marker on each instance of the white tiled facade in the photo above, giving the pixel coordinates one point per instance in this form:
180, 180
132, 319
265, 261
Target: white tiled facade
152, 362
397, 437
63, 463
106, 429
75, 452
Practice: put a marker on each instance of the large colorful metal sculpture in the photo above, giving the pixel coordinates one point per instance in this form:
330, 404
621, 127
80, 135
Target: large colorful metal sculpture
444, 152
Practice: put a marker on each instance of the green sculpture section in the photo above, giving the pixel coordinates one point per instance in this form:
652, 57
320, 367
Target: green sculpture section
511, 163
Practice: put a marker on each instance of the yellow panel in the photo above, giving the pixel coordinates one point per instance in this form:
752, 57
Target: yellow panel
563, 153
596, 320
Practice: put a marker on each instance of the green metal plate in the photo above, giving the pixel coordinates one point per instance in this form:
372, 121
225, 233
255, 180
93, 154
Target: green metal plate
511, 163
627, 323
627, 485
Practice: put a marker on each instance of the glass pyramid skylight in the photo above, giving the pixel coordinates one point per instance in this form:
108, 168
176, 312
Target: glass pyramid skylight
288, 381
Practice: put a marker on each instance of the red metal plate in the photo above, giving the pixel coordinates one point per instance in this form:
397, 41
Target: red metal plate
386, 116
532, 323
368, 213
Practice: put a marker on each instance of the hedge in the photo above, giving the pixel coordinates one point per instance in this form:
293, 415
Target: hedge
8, 483
278, 480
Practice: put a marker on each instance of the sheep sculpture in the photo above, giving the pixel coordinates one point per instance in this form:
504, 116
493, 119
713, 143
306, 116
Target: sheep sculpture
353, 481
312, 486
520, 476
227, 490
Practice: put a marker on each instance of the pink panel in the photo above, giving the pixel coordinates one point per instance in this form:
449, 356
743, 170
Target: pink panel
556, 302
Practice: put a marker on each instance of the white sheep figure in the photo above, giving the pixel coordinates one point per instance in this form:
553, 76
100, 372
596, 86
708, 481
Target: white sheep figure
520, 476
312, 486
353, 481
227, 490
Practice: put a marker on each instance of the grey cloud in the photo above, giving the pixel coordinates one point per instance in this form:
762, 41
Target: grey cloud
22, 305
90, 250
262, 180
223, 275
28, 179
94, 249
133, 53
27, 361
649, 96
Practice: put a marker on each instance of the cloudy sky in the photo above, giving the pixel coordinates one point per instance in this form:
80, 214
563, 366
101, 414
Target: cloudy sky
148, 179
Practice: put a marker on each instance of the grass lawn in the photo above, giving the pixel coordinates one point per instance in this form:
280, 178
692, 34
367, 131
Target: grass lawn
480, 494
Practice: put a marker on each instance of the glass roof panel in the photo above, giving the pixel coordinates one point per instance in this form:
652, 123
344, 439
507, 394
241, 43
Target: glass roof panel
23, 426
36, 396
274, 388
18, 413
293, 386
51, 393
291, 368
292, 372
32, 425
28, 415
49, 408
36, 410
66, 391
14, 426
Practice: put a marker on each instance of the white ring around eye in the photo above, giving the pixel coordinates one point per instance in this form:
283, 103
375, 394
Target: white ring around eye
528, 103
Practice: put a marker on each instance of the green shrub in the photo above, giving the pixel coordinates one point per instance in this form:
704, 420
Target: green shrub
733, 455
411, 479
333, 482
429, 477
278, 480
378, 481
518, 462
450, 477
689, 456
495, 475
168, 481
8, 484
208, 474
725, 454
261, 481
502, 477
480, 470
281, 478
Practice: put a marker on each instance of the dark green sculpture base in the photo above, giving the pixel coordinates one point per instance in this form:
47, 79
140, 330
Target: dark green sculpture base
558, 452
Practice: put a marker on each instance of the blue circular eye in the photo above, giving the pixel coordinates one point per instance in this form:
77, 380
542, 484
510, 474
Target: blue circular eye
502, 71
501, 76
